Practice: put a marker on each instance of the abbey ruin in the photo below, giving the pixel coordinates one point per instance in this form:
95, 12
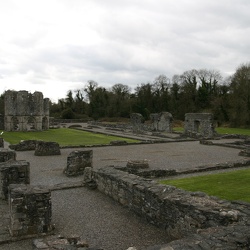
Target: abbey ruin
25, 111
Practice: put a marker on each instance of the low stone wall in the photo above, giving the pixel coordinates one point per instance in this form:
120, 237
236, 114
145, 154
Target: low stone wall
24, 145
179, 212
44, 148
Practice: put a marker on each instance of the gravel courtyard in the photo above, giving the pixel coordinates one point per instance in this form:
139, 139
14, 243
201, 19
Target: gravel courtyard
97, 218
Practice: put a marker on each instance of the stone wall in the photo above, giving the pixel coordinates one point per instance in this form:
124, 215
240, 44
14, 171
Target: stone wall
179, 212
44, 148
24, 145
25, 111
13, 172
77, 161
199, 124
6, 155
162, 122
30, 210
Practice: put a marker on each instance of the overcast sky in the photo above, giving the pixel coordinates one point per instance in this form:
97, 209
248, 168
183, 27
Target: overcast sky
58, 45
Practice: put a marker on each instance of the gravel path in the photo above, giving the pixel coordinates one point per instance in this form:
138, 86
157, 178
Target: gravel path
97, 218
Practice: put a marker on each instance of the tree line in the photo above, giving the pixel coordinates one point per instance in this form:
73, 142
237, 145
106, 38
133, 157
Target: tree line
194, 90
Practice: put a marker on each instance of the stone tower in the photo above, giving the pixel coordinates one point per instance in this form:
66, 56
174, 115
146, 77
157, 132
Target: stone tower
24, 111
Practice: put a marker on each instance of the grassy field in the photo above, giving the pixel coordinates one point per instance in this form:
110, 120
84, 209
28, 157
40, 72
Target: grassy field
222, 130
64, 136
233, 185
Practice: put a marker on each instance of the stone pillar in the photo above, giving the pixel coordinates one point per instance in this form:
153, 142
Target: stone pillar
6, 154
77, 161
44, 148
13, 172
30, 210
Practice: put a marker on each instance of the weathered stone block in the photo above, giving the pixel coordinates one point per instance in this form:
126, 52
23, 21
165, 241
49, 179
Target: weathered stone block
77, 161
6, 155
13, 172
44, 148
24, 145
30, 210
137, 164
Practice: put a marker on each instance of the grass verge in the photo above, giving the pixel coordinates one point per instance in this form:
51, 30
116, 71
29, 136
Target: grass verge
64, 136
233, 185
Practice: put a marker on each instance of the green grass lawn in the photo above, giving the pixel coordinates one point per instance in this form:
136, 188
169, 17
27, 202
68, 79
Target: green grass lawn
64, 136
233, 185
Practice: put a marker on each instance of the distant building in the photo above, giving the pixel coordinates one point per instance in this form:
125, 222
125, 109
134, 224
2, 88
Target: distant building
24, 111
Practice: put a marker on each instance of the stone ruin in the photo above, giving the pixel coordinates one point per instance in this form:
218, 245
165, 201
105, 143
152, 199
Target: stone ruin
6, 155
162, 122
25, 111
30, 210
199, 124
136, 120
24, 145
77, 161
44, 148
13, 172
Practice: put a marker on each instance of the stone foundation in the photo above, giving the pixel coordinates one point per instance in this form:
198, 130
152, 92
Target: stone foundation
44, 148
30, 210
24, 145
6, 155
13, 172
77, 161
179, 212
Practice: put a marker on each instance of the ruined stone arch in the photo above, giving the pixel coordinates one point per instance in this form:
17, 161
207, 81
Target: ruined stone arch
31, 123
14, 124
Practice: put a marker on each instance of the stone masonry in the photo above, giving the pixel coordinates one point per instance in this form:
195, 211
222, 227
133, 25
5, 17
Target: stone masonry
162, 122
13, 172
136, 120
44, 148
77, 161
25, 111
199, 124
30, 210
6, 155
180, 213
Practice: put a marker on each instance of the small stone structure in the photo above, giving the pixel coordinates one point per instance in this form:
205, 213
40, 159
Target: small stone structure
162, 122
24, 145
30, 210
77, 161
25, 111
136, 120
135, 165
44, 148
199, 124
13, 172
245, 152
6, 155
